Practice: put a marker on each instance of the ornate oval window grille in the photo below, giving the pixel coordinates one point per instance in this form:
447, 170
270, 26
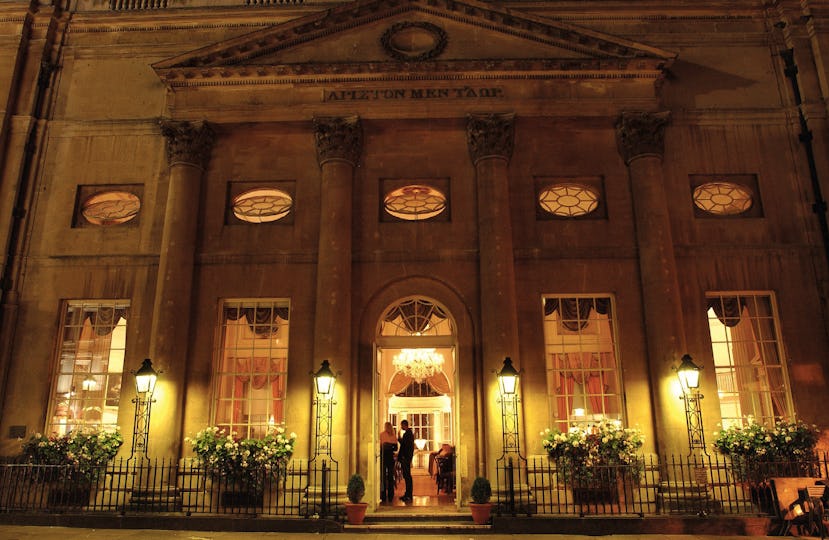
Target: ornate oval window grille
415, 203
109, 208
723, 198
569, 199
262, 205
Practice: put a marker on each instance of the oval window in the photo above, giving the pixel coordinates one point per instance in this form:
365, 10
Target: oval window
723, 198
111, 208
262, 205
569, 200
415, 203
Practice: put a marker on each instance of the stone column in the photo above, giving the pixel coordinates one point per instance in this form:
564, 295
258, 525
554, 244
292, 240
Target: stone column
188, 151
490, 141
339, 142
641, 143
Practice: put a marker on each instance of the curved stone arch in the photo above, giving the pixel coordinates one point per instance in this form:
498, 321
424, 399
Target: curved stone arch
470, 441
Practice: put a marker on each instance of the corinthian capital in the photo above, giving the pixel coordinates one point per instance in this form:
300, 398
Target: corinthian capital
188, 142
490, 136
641, 133
338, 138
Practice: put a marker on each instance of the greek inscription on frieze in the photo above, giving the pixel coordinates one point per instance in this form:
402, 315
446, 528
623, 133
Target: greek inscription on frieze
400, 94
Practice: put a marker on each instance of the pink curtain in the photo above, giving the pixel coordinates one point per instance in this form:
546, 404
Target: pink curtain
585, 368
256, 373
746, 362
439, 383
771, 373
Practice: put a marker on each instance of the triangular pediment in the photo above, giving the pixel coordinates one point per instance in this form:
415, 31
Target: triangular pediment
417, 39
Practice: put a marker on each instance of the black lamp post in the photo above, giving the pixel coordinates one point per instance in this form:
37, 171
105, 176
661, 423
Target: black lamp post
688, 373
511, 440
324, 380
508, 384
145, 379
320, 484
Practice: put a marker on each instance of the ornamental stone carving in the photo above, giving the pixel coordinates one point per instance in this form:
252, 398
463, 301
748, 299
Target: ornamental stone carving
641, 133
411, 41
188, 142
338, 138
490, 136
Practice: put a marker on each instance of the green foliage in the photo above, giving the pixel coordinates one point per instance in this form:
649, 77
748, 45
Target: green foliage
356, 488
598, 452
481, 490
85, 451
758, 452
247, 461
784, 441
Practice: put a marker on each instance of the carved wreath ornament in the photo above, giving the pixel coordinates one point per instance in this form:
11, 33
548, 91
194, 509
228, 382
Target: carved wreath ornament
410, 41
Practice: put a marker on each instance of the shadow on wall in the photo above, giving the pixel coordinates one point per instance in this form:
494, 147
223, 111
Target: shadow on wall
697, 85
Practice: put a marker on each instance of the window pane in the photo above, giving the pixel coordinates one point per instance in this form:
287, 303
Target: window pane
751, 379
251, 367
87, 388
582, 370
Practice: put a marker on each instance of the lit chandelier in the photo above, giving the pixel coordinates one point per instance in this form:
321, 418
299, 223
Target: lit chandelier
418, 363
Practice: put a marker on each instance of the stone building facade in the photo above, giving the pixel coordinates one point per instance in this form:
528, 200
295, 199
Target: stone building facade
239, 190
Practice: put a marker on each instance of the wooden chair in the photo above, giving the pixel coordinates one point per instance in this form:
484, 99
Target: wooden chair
817, 512
445, 478
798, 504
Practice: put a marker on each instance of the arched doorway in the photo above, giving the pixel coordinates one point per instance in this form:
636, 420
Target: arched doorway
416, 380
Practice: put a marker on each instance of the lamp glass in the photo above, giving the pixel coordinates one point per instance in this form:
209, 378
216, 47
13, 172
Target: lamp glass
324, 379
508, 378
145, 378
688, 373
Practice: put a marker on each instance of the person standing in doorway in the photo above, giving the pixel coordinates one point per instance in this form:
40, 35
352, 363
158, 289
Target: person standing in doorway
404, 456
388, 444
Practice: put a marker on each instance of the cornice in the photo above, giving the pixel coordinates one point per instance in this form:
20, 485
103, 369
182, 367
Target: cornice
494, 69
729, 117
67, 127
204, 18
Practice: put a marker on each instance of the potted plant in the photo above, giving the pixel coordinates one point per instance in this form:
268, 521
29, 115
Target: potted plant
759, 452
355, 509
243, 466
480, 506
591, 459
72, 463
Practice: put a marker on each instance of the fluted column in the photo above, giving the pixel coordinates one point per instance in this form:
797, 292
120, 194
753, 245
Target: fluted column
188, 152
339, 142
641, 143
490, 141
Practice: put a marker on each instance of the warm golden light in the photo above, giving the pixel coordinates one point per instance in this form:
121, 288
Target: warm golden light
324, 379
418, 364
145, 378
508, 378
89, 383
688, 373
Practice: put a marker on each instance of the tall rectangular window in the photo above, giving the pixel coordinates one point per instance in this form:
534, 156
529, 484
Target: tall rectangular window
87, 390
748, 358
582, 369
252, 366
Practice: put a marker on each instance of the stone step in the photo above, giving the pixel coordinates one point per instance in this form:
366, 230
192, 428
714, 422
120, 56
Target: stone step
395, 517
420, 527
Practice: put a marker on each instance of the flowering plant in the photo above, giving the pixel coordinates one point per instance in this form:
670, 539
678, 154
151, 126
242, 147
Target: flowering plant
248, 461
85, 451
758, 451
595, 453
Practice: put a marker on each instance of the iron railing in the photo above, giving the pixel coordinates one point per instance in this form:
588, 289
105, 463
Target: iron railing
302, 489
696, 485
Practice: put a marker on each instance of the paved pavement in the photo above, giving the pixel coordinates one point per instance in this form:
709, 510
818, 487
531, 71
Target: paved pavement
14, 532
